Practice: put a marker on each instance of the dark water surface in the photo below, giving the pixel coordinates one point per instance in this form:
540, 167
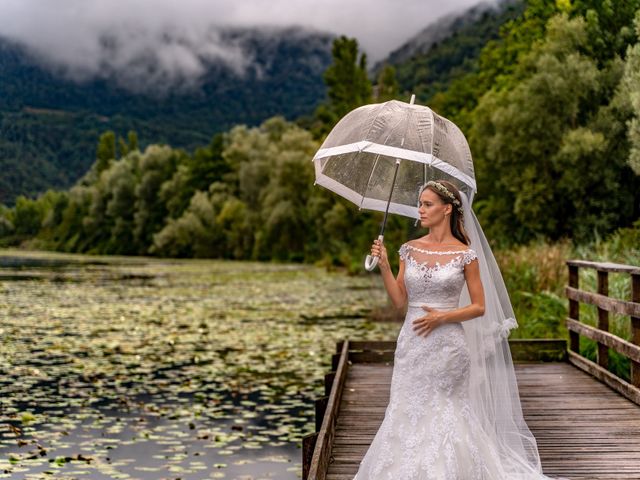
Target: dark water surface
135, 368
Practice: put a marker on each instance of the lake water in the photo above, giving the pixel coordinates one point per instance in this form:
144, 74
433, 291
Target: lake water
138, 368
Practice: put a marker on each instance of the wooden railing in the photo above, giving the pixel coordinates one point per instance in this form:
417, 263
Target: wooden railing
601, 334
317, 446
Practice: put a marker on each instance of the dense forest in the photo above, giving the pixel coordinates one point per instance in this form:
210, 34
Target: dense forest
550, 107
428, 65
49, 123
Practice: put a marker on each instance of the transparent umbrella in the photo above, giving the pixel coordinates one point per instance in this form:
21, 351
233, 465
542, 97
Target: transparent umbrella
378, 156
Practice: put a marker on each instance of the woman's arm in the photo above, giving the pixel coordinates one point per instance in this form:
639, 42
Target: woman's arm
476, 294
394, 286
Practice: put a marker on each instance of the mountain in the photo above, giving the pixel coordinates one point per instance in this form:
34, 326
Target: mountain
448, 48
50, 123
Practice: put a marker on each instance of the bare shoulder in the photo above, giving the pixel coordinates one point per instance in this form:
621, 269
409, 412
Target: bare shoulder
424, 243
413, 243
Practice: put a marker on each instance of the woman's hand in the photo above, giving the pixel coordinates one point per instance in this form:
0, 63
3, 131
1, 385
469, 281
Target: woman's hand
378, 250
425, 325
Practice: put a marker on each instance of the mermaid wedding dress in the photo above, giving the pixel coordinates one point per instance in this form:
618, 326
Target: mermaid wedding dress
430, 430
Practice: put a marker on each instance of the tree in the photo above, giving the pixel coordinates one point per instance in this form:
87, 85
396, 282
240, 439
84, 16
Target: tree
497, 63
156, 166
106, 151
348, 85
27, 216
630, 93
532, 144
387, 86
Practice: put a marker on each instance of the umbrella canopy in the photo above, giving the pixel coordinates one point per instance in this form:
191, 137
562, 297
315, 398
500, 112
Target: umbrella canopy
358, 159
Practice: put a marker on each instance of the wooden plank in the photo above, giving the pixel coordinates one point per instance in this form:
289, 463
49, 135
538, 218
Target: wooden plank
373, 345
322, 449
522, 350
583, 428
628, 390
605, 338
605, 266
613, 305
538, 350
371, 357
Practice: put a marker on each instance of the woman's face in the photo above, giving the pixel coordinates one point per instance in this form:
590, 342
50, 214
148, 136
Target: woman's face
432, 209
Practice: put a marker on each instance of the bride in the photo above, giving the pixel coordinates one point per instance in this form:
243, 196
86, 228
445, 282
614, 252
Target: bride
454, 411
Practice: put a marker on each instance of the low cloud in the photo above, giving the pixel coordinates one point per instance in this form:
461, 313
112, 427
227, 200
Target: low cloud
172, 43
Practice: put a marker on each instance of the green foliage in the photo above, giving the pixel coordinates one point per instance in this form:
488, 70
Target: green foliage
248, 195
348, 86
531, 144
27, 216
49, 124
193, 234
497, 62
545, 102
535, 275
260, 210
429, 74
387, 87
6, 225
106, 151
629, 93
549, 104
347, 82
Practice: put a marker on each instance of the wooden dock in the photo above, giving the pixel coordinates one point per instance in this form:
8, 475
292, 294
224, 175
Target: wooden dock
584, 429
585, 418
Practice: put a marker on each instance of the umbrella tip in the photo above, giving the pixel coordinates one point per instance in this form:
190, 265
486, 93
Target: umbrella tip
413, 99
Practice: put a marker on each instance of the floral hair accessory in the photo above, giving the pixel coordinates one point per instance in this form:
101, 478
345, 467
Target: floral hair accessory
441, 188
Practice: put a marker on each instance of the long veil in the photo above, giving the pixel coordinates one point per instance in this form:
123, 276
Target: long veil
493, 387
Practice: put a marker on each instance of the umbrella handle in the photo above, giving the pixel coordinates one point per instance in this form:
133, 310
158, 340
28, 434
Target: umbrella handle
371, 262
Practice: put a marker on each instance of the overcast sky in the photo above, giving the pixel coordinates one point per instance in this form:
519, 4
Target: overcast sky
67, 33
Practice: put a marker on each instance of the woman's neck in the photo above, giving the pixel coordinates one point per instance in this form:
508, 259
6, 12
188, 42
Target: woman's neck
440, 234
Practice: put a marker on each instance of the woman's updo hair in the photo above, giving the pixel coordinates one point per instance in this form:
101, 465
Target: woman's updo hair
450, 194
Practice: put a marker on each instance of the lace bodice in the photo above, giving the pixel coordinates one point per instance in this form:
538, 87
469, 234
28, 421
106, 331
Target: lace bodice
434, 277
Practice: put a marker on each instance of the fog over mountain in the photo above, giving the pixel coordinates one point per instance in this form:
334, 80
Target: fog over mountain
171, 44
435, 32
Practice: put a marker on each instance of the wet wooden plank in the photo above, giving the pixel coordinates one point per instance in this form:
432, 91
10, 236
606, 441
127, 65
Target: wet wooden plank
584, 429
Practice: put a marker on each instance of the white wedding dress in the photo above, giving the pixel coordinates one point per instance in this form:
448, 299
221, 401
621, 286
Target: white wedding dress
429, 430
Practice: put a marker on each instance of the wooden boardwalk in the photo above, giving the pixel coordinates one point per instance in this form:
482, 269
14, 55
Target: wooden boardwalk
584, 429
587, 425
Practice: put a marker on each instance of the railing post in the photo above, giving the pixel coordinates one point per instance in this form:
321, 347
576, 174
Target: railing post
603, 318
321, 409
574, 309
635, 328
328, 382
308, 444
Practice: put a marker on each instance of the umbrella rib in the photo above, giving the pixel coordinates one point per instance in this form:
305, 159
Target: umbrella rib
373, 123
432, 141
369, 179
364, 193
395, 174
